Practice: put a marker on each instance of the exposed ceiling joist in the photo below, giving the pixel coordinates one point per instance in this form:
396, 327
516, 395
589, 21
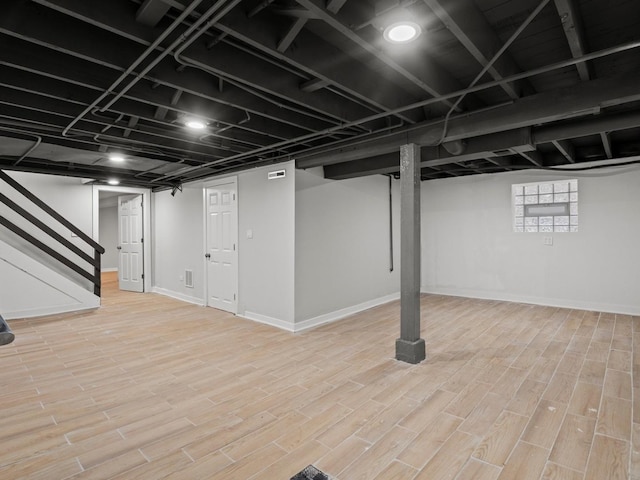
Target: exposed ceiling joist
485, 147
582, 100
151, 12
330, 90
291, 34
334, 6
228, 62
567, 150
432, 85
317, 60
471, 29
572, 25
606, 144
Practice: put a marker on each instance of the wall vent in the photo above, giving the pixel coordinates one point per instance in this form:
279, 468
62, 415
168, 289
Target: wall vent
276, 174
188, 278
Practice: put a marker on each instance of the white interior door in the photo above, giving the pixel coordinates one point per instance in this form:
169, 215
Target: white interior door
222, 239
130, 243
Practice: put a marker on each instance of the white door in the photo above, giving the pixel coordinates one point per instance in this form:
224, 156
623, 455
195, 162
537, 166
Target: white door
222, 239
130, 242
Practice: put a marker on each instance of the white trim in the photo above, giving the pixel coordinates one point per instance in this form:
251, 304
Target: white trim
344, 312
548, 302
274, 322
146, 212
110, 269
178, 296
320, 319
46, 311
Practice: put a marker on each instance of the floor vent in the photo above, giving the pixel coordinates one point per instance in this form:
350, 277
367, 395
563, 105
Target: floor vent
310, 473
188, 278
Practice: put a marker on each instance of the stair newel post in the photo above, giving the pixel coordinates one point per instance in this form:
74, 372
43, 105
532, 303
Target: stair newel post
96, 271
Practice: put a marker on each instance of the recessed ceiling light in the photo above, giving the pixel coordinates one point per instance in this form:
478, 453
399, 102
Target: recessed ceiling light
116, 157
113, 181
402, 32
195, 124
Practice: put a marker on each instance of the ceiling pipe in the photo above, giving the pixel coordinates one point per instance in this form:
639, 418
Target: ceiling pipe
30, 149
178, 57
184, 39
335, 121
135, 145
493, 60
511, 78
125, 139
137, 62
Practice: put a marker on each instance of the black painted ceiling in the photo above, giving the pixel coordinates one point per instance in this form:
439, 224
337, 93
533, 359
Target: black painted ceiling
553, 83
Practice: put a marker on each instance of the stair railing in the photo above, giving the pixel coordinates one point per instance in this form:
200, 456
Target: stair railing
98, 250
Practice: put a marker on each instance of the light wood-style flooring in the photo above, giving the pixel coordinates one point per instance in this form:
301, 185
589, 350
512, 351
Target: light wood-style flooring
148, 387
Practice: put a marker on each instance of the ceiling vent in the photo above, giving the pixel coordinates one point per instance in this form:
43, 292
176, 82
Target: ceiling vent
276, 174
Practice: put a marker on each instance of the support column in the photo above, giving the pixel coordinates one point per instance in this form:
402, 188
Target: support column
410, 347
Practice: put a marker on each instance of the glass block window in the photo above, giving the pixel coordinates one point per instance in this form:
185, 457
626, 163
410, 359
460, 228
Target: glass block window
547, 207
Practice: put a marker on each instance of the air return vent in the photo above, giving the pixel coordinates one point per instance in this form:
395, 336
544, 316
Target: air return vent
188, 278
310, 473
276, 174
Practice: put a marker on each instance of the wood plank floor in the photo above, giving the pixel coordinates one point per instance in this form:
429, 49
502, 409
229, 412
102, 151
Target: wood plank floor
148, 387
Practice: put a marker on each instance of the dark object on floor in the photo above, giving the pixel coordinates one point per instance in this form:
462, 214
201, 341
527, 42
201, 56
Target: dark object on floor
6, 335
310, 473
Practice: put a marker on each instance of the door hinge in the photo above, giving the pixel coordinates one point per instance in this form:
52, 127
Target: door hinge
234, 247
234, 297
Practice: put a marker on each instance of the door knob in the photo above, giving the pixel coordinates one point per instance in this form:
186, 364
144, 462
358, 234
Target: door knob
207, 255
119, 247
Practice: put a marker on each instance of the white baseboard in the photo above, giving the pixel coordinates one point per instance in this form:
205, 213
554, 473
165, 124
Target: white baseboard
549, 302
46, 311
344, 312
178, 296
274, 322
110, 269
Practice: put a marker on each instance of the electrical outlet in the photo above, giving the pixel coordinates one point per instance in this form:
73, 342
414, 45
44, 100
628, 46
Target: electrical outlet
547, 241
181, 278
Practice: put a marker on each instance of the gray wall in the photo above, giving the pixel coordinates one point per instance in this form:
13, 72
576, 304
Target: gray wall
177, 242
108, 235
266, 274
342, 243
266, 262
469, 248
70, 197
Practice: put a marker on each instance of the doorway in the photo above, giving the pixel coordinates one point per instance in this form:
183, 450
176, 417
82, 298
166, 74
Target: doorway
106, 196
221, 244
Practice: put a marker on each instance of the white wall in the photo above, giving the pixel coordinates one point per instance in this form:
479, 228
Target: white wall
266, 268
69, 197
29, 289
342, 245
266, 273
178, 242
108, 235
469, 248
